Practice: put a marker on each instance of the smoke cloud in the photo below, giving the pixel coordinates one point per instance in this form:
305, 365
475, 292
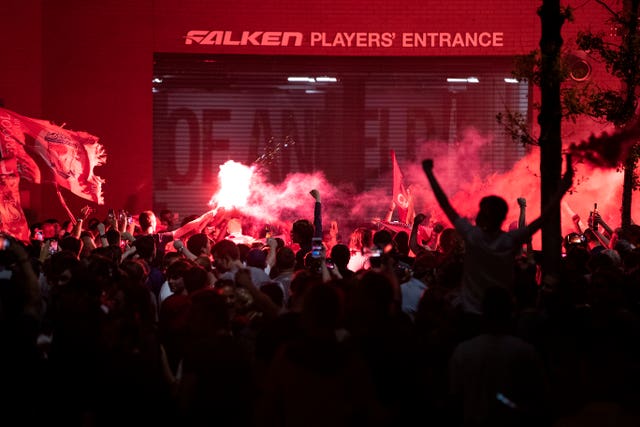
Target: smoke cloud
463, 178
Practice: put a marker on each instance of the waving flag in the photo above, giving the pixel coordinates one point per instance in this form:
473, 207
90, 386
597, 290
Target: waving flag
12, 219
69, 157
31, 149
400, 194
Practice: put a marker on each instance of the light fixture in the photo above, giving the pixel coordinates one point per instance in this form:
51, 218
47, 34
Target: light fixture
463, 80
301, 79
304, 79
510, 80
326, 79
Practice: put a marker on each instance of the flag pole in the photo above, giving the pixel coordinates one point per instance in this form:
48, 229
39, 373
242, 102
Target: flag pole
64, 204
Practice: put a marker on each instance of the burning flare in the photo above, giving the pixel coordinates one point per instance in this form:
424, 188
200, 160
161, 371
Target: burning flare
234, 185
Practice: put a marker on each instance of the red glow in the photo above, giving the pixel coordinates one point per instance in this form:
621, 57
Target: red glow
461, 175
234, 181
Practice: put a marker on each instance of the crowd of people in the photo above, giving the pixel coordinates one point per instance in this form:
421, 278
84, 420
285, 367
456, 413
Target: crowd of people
143, 321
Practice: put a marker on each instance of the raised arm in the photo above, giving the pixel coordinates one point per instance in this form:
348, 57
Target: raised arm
438, 192
317, 214
604, 241
597, 220
102, 233
273, 249
195, 225
414, 245
522, 220
181, 248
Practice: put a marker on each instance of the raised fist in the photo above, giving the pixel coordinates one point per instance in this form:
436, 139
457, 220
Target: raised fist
315, 194
419, 219
427, 165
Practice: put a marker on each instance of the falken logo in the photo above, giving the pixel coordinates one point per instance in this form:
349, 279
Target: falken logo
246, 38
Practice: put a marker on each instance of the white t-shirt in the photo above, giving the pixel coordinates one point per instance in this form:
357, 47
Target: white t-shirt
489, 260
359, 261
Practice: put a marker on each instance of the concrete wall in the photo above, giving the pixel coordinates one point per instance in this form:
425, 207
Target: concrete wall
89, 64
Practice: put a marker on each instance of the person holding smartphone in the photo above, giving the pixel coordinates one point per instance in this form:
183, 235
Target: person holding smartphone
303, 231
316, 247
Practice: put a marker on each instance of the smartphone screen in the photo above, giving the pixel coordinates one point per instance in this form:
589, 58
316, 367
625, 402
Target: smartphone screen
4, 242
375, 259
53, 246
316, 247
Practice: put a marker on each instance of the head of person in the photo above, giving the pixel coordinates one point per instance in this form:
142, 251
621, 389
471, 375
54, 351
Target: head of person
113, 237
66, 228
148, 221
145, 247
401, 240
135, 270
302, 232
257, 258
492, 213
199, 244
438, 227
72, 244
176, 273
450, 241
169, 258
361, 238
224, 253
383, 239
168, 217
50, 229
285, 259
195, 278
340, 255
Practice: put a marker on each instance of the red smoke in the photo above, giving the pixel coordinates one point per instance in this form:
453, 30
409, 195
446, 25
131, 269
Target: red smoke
469, 183
463, 179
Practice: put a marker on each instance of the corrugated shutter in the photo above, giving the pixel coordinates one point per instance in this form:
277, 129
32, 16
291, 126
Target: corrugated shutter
210, 109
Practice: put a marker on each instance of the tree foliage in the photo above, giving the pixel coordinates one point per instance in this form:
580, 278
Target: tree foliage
621, 59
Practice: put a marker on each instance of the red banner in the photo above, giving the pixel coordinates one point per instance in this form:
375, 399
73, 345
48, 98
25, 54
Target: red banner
12, 219
400, 195
69, 156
